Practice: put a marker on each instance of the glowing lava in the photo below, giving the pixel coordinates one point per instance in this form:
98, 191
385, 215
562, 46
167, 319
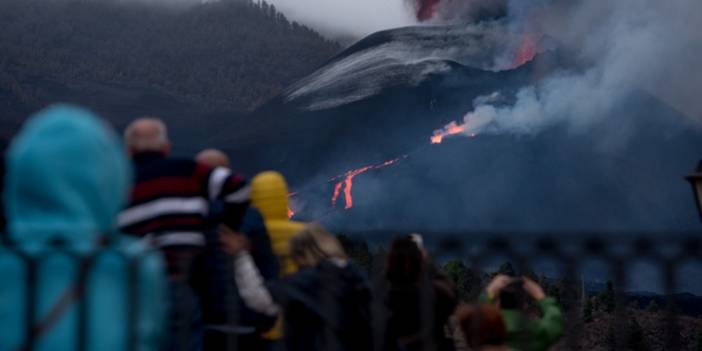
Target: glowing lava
527, 49
291, 213
347, 181
452, 128
337, 191
426, 9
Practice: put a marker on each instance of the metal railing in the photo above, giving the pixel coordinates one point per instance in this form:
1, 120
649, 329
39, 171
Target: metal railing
561, 258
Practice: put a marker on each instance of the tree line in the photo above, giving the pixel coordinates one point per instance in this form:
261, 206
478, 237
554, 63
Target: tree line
225, 54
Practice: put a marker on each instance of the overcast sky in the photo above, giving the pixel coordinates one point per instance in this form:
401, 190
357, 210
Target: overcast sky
347, 17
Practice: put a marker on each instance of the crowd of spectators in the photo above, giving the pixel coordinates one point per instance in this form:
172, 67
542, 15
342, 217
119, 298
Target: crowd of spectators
212, 260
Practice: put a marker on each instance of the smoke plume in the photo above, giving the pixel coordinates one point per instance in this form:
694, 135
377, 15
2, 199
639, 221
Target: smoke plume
457, 10
621, 46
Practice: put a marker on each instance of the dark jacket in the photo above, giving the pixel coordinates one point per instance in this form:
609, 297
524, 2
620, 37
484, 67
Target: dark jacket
326, 307
221, 305
407, 318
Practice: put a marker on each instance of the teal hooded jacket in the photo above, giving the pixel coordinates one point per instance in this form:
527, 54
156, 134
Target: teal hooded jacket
67, 177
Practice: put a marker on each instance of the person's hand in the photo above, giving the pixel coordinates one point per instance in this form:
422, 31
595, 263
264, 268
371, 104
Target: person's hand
233, 242
498, 283
533, 289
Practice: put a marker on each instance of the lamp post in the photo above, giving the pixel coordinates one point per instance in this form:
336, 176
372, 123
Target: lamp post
695, 180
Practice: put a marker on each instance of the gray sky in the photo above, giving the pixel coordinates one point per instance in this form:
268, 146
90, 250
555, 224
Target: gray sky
347, 17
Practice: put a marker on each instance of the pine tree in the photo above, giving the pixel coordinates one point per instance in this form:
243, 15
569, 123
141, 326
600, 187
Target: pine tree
457, 272
652, 306
607, 298
611, 339
587, 310
637, 339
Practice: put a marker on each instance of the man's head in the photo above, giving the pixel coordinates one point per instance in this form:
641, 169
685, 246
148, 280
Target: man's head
147, 134
213, 158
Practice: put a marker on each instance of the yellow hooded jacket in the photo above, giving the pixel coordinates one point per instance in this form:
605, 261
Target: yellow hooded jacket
269, 195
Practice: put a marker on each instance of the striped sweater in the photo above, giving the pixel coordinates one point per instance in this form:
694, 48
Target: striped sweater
171, 200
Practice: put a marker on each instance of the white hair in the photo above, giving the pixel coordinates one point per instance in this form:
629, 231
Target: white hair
146, 134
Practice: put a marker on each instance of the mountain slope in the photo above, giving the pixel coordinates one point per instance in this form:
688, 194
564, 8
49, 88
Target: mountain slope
623, 173
216, 56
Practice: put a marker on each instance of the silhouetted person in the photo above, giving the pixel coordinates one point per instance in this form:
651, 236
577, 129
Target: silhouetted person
326, 303
420, 300
512, 295
482, 327
227, 321
169, 207
67, 179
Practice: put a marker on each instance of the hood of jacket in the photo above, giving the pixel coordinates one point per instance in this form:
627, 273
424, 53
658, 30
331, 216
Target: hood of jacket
269, 195
67, 177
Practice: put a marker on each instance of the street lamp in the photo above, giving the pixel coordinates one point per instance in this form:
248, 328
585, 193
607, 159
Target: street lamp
695, 180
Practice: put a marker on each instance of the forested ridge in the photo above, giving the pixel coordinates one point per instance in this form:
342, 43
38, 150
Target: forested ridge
229, 54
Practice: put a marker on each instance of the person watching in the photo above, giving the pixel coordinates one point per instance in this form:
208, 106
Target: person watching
483, 327
512, 295
227, 321
169, 208
326, 303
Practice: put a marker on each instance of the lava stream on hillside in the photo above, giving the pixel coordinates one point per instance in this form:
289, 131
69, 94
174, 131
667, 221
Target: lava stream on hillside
346, 182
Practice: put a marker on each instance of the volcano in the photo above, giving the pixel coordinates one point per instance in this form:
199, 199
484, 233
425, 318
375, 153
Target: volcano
384, 96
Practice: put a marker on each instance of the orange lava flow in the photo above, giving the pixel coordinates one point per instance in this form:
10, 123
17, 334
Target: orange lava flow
452, 128
347, 182
291, 213
337, 191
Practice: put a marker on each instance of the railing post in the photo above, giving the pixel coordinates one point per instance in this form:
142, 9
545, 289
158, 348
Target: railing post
672, 331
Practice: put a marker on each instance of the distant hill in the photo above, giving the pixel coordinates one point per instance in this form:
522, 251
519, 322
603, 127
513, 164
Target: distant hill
229, 55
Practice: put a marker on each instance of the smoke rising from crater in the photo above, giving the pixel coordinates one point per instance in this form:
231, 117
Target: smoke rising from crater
456, 10
621, 46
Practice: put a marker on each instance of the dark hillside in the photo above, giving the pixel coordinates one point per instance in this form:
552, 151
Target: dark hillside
219, 56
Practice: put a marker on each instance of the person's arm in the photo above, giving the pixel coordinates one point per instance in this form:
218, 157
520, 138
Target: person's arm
254, 228
251, 287
248, 279
493, 288
549, 328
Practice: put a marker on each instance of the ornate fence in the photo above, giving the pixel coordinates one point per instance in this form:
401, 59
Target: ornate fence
565, 259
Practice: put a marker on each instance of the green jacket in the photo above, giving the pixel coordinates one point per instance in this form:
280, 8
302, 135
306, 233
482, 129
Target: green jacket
533, 335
